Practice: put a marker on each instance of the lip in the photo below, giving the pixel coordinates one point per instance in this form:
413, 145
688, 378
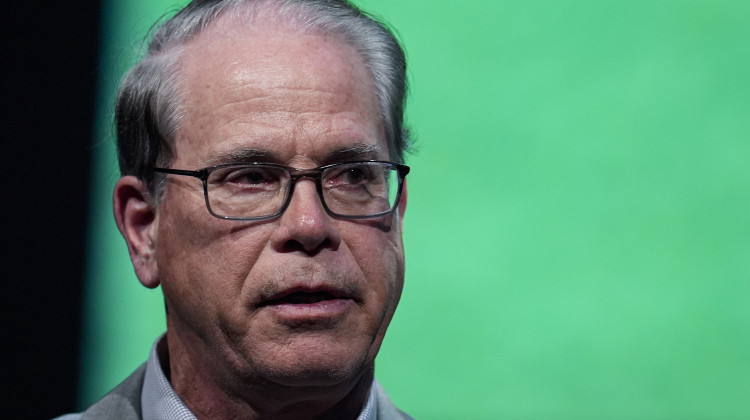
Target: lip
308, 304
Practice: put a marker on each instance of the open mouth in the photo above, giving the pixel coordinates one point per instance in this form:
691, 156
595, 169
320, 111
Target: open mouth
303, 297
309, 306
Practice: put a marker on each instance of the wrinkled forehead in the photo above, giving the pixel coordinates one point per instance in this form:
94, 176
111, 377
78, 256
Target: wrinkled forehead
272, 81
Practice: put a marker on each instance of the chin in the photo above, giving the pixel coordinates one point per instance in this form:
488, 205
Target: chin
316, 376
315, 366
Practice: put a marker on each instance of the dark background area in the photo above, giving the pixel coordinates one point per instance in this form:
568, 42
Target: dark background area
49, 77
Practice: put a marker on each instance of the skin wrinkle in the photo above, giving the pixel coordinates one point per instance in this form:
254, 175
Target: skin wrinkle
261, 97
244, 79
262, 83
272, 129
226, 351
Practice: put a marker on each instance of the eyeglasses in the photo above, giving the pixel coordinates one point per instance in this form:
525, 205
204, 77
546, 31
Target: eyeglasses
259, 191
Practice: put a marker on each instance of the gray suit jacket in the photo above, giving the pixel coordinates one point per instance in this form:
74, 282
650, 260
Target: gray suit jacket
124, 402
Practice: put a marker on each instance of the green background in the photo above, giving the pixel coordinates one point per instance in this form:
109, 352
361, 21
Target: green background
578, 228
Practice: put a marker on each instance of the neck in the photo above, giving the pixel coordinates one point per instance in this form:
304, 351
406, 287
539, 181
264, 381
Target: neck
212, 392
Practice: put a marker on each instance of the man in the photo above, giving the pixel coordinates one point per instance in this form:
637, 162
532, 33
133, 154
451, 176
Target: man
261, 144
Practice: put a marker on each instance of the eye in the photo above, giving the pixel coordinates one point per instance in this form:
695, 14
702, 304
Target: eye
247, 177
353, 175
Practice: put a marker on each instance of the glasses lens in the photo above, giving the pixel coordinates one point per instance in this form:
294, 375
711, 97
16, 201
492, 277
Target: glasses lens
360, 189
247, 191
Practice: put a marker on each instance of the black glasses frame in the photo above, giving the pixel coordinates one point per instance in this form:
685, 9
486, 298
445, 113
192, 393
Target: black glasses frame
294, 174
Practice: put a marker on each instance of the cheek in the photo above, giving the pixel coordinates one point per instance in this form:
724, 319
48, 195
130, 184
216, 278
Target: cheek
380, 256
204, 260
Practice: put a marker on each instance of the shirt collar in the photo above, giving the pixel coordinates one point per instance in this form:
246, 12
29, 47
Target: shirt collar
159, 401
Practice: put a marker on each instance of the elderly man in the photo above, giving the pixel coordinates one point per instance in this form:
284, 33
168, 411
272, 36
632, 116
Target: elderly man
261, 146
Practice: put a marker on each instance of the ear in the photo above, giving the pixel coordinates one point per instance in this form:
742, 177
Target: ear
137, 220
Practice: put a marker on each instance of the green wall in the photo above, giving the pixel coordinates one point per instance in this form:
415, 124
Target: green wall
578, 228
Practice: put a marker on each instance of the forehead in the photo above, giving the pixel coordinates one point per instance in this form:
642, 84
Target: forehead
288, 95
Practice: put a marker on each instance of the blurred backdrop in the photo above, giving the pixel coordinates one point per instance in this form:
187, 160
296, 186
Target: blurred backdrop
578, 226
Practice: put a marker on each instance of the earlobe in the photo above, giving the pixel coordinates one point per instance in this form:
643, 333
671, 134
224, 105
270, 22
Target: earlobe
137, 221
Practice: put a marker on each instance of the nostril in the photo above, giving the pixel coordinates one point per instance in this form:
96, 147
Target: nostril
294, 245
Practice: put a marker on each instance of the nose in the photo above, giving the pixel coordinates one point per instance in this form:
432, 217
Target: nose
305, 226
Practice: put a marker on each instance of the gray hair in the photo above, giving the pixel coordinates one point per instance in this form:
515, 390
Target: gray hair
148, 111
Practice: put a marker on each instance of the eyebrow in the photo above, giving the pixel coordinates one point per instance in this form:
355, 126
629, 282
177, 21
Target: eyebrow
357, 151
349, 153
245, 155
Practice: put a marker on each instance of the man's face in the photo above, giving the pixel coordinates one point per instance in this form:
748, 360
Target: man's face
246, 295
